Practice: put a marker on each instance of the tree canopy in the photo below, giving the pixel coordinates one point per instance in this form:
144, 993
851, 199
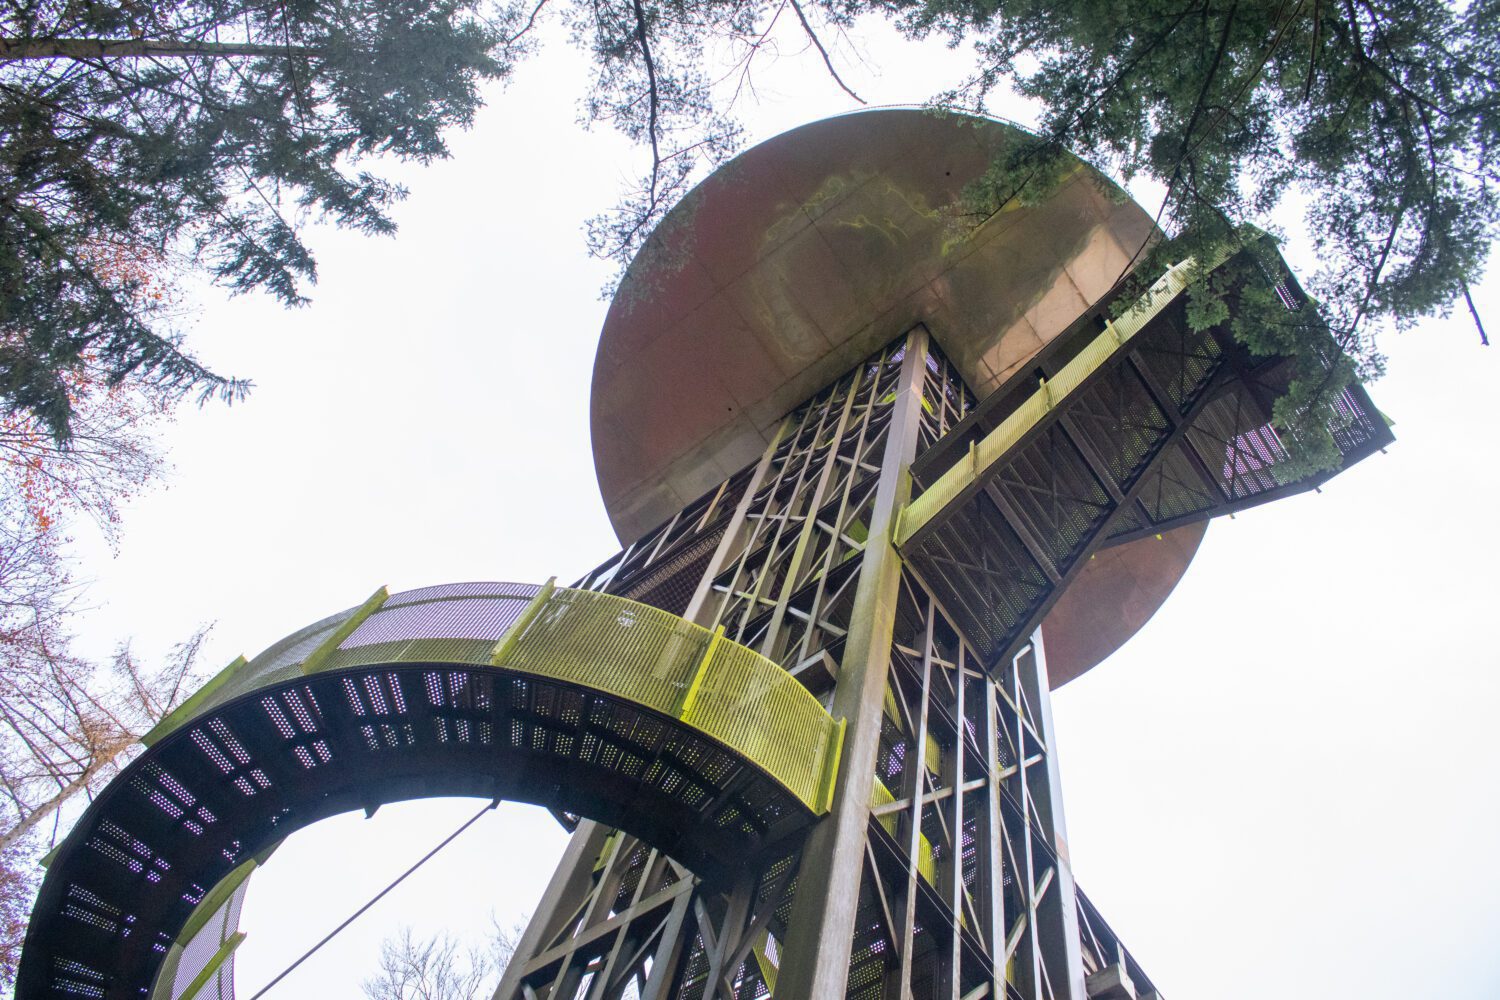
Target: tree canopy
210, 129
207, 131
1378, 120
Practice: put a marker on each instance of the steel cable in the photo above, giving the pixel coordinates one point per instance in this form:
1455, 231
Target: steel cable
375, 899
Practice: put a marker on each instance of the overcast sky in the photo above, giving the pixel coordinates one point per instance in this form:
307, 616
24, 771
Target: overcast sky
1284, 785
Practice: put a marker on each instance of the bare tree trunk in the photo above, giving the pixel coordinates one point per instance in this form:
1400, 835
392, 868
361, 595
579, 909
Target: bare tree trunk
107, 756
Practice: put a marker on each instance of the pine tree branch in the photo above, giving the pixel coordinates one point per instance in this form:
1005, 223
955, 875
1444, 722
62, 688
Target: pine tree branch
18, 49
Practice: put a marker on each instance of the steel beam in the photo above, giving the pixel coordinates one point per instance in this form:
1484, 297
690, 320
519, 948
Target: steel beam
816, 960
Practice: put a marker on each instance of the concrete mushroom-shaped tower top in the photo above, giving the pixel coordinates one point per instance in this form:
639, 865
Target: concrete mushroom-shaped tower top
805, 254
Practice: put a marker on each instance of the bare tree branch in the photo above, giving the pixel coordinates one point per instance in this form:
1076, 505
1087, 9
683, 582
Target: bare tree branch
645, 44
530, 23
813, 37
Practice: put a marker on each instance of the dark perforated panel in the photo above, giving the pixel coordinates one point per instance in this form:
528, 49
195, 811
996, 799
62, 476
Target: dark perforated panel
227, 785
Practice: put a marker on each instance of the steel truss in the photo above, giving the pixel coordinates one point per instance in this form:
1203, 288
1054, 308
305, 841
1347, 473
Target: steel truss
939, 868
953, 871
1171, 426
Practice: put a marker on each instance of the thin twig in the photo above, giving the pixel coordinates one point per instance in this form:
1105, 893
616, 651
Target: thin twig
1312, 52
813, 36
530, 22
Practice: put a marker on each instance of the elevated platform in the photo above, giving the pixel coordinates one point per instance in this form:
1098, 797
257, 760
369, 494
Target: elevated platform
1121, 430
808, 253
574, 700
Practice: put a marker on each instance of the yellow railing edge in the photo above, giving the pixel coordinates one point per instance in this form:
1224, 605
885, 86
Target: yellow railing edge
212, 968
1117, 333
507, 641
690, 696
345, 629
953, 482
833, 755
193, 703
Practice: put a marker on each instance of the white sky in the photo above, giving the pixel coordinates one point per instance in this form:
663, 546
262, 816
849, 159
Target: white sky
1284, 785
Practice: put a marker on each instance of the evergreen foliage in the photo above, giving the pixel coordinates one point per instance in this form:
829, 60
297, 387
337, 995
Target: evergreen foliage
214, 127
205, 128
1381, 117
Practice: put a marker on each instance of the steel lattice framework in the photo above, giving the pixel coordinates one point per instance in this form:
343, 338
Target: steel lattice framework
953, 880
801, 730
960, 795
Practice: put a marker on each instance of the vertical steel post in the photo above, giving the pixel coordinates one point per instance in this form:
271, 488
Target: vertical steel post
815, 962
733, 533
806, 569
1057, 912
992, 832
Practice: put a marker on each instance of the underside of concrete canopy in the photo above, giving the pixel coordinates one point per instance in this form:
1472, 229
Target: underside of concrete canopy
805, 254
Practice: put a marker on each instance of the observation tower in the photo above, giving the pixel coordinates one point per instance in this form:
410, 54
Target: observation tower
866, 467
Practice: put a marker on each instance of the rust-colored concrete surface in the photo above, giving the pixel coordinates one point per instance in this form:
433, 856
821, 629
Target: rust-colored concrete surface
805, 254
1117, 593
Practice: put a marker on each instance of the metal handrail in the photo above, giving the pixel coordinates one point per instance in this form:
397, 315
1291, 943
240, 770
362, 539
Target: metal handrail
962, 475
599, 641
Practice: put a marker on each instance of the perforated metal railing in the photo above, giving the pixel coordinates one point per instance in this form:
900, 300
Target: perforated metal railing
567, 698
200, 966
602, 642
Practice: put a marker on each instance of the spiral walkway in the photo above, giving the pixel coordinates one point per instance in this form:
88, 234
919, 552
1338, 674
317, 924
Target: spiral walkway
570, 699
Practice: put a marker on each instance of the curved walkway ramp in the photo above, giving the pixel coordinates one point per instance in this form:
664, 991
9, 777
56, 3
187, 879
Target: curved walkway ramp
570, 699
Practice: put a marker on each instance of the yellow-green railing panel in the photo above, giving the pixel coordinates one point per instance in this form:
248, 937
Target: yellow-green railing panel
632, 651
605, 643
748, 702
